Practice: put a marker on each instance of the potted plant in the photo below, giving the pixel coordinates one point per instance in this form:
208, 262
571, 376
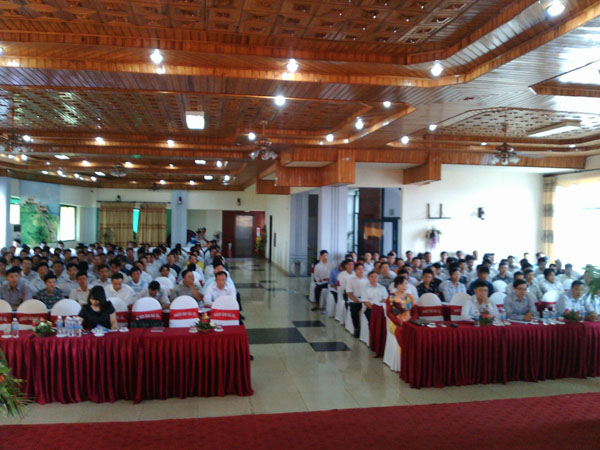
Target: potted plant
433, 237
12, 400
43, 328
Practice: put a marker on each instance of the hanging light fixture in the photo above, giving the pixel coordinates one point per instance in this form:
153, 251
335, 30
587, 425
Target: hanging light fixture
263, 146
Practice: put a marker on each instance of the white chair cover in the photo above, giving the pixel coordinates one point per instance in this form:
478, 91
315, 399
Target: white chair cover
225, 311
456, 304
6, 315
165, 283
323, 299
391, 352
497, 298
430, 308
340, 308
30, 310
146, 308
499, 286
122, 311
567, 284
65, 307
331, 304
183, 312
348, 320
364, 326
551, 296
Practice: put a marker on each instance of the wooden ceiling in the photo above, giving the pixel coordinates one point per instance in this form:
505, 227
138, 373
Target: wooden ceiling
74, 70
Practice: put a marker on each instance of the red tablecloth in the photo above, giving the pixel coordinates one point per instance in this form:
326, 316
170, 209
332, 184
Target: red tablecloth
182, 364
137, 365
469, 355
377, 331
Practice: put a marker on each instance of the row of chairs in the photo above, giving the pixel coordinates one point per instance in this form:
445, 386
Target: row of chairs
501, 286
183, 313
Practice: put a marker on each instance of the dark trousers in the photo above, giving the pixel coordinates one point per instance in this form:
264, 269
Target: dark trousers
318, 289
334, 293
368, 314
355, 314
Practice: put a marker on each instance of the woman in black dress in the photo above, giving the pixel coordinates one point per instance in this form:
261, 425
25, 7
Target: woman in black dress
98, 311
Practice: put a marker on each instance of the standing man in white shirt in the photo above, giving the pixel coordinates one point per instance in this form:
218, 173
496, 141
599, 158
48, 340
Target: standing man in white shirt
354, 289
321, 274
373, 294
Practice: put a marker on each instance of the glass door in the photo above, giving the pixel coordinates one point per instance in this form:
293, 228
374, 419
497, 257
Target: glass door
378, 235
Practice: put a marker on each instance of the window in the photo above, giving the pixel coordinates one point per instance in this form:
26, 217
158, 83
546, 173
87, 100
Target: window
66, 231
15, 211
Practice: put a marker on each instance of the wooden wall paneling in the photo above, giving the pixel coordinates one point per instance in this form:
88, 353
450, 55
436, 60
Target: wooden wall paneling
426, 173
269, 187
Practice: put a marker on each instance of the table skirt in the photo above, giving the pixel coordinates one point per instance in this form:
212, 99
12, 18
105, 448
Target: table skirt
377, 331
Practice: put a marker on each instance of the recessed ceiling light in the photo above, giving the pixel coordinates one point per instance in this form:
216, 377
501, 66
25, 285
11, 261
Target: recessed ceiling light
329, 137
13, 63
93, 178
60, 173
432, 127
192, 182
162, 181
571, 145
557, 128
133, 182
226, 178
100, 174
171, 166
61, 157
160, 70
76, 175
387, 104
251, 136
219, 164
47, 163
195, 120
280, 100
359, 124
45, 172
85, 163
436, 70
200, 162
24, 157
292, 65
11, 156
128, 164
156, 56
484, 144
27, 138
99, 140
170, 142
405, 140
320, 142
208, 177
555, 8
346, 140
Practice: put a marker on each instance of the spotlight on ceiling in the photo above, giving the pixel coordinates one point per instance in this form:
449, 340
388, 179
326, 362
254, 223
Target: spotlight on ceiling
128, 164
93, 178
359, 124
219, 164
100, 174
483, 144
170, 142
251, 136
280, 100
44, 172
195, 120
85, 163
61, 157
556, 8
200, 162
329, 137
405, 140
436, 70
192, 182
99, 140
292, 65
208, 177
162, 182
156, 56
346, 140
24, 157
27, 138
432, 127
226, 178
387, 104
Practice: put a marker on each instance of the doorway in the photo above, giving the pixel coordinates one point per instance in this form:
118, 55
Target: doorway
378, 235
244, 224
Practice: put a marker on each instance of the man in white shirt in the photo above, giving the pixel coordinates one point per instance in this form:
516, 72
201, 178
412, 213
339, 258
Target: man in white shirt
38, 284
569, 274
321, 275
549, 283
386, 276
369, 266
373, 294
156, 292
71, 282
479, 304
144, 276
27, 274
81, 293
218, 289
118, 289
136, 282
102, 279
343, 277
59, 270
354, 289
452, 286
220, 268
572, 300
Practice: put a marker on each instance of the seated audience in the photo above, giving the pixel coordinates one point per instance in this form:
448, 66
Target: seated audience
483, 273
428, 285
386, 276
452, 286
321, 276
118, 289
373, 294
136, 283
480, 303
549, 283
573, 300
50, 294
12, 290
188, 286
81, 293
520, 304
218, 288
503, 274
98, 311
103, 280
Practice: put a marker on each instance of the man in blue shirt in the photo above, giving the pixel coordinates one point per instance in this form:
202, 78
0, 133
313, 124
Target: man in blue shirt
520, 304
483, 272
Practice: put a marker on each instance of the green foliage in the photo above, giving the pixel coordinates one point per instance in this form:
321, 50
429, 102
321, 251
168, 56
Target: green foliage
592, 279
37, 224
12, 400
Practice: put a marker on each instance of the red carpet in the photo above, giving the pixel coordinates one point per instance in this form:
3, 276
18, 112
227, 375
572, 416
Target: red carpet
567, 421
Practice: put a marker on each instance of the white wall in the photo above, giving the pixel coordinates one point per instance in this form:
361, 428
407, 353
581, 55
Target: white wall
211, 219
592, 162
510, 196
279, 206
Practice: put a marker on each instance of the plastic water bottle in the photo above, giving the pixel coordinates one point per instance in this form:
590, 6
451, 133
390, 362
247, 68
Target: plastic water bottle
60, 327
69, 326
545, 316
583, 313
476, 318
77, 321
14, 328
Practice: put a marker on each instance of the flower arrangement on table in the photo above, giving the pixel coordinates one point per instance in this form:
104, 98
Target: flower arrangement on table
43, 328
204, 323
486, 319
572, 316
12, 400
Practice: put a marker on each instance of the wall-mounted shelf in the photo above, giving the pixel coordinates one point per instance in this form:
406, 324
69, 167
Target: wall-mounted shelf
440, 217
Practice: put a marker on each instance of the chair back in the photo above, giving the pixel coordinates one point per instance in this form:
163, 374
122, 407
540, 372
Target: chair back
225, 311
65, 307
165, 283
456, 304
497, 298
183, 312
499, 286
429, 307
122, 311
567, 284
551, 297
197, 278
146, 308
6, 314
31, 310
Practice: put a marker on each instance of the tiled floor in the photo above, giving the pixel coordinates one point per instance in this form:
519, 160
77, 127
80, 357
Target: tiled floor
303, 361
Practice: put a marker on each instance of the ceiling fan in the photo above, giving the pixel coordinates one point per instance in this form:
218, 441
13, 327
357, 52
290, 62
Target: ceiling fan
263, 146
505, 154
118, 171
